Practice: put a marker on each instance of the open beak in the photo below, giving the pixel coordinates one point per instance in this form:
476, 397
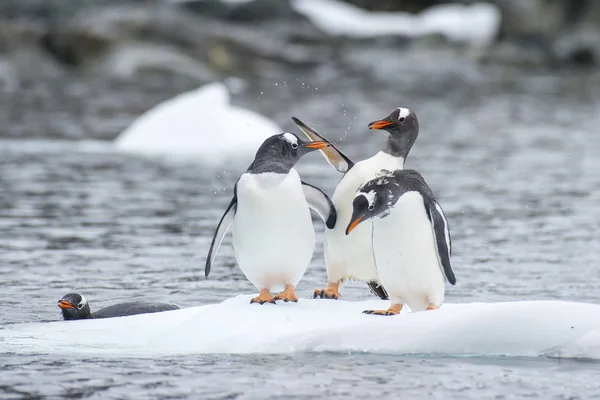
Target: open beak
380, 124
316, 145
65, 304
354, 224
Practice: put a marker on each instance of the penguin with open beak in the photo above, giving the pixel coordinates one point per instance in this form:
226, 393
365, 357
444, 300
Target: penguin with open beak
273, 234
351, 257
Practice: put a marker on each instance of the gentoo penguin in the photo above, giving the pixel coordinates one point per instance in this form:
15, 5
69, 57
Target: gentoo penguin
273, 235
411, 239
351, 257
75, 306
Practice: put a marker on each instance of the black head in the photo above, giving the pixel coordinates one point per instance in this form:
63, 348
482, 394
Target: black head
403, 126
74, 306
279, 153
373, 199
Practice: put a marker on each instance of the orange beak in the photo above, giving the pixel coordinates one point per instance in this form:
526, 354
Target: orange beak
317, 145
379, 124
65, 304
354, 224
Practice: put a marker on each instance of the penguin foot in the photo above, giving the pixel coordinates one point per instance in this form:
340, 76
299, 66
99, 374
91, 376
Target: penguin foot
263, 297
332, 292
393, 310
432, 307
289, 294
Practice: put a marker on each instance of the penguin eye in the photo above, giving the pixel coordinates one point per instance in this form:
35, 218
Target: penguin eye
294, 146
371, 207
401, 119
80, 306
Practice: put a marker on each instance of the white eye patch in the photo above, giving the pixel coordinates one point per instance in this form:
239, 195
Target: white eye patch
83, 300
404, 112
370, 196
290, 138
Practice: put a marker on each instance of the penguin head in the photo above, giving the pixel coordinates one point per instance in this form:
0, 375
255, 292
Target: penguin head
279, 153
403, 126
367, 204
74, 306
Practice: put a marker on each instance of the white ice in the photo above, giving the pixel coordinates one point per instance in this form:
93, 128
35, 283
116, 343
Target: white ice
201, 123
521, 328
476, 23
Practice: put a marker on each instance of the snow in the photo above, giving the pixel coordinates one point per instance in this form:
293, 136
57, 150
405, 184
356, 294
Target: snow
201, 123
477, 23
522, 328
585, 347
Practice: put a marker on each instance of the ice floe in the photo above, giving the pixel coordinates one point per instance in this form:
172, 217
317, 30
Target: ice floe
520, 328
201, 123
476, 23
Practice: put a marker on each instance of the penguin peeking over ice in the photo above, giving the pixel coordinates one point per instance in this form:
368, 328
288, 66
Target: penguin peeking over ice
411, 239
273, 234
74, 306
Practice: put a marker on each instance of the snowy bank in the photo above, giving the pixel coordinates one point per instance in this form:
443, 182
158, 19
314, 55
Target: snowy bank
201, 123
477, 23
525, 328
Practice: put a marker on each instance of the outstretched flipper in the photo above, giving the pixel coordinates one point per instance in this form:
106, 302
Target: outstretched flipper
320, 202
441, 232
334, 157
220, 232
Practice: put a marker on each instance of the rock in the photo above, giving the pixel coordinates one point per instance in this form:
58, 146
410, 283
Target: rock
243, 11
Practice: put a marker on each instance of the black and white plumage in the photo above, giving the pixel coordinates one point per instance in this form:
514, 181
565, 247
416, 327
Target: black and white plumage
273, 235
351, 257
411, 237
75, 306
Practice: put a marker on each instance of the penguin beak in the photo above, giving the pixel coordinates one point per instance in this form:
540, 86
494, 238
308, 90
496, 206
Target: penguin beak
380, 124
316, 145
354, 224
65, 304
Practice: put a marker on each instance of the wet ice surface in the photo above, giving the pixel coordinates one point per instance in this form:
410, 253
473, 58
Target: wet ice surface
514, 164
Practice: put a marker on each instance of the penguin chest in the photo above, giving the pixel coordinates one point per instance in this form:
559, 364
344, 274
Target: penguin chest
351, 256
406, 254
273, 235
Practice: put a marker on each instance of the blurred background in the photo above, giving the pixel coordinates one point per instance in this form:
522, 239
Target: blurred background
508, 97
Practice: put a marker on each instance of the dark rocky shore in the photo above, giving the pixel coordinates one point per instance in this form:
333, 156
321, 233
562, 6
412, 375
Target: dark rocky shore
84, 69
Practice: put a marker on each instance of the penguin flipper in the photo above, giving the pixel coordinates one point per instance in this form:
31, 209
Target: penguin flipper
320, 202
378, 290
224, 224
441, 233
334, 157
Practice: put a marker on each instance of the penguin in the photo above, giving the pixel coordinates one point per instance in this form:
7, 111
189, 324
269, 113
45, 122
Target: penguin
351, 257
273, 234
75, 306
411, 239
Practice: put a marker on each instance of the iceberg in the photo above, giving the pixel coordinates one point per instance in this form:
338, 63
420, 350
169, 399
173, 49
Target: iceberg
520, 328
477, 23
202, 124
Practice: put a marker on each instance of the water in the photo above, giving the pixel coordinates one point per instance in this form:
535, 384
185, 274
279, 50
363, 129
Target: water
513, 161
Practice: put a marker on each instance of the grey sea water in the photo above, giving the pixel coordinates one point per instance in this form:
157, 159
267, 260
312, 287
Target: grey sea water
513, 161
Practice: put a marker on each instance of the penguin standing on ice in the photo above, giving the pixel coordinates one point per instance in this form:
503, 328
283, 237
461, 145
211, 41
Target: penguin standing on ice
411, 239
351, 257
273, 235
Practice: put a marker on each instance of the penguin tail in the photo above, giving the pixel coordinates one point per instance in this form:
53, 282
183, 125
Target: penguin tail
378, 290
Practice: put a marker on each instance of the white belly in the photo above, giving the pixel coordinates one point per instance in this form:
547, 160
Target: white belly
273, 235
406, 255
351, 256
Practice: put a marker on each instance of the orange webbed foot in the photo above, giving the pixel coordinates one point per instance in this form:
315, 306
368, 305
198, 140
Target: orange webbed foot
332, 292
393, 310
289, 294
263, 297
